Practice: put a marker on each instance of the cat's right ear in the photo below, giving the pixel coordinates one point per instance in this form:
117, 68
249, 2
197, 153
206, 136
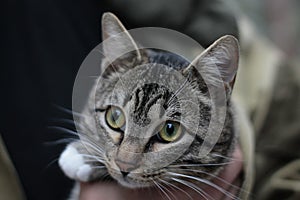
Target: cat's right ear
219, 62
117, 40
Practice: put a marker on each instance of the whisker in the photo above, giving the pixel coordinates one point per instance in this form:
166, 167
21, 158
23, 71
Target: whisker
51, 163
69, 122
193, 187
161, 189
167, 190
229, 158
216, 177
176, 187
177, 92
98, 167
85, 127
92, 156
206, 182
64, 130
60, 141
192, 102
98, 150
200, 164
68, 111
92, 144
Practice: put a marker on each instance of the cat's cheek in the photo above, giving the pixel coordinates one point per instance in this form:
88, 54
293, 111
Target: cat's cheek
73, 165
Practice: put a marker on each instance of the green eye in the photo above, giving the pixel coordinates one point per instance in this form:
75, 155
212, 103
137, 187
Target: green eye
115, 118
170, 131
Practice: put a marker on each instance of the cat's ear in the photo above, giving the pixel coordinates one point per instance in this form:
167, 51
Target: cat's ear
222, 55
119, 39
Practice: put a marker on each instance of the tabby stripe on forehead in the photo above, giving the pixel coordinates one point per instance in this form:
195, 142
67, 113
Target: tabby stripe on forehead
137, 101
146, 102
145, 98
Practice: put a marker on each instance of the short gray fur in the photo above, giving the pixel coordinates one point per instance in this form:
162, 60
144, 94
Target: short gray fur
146, 105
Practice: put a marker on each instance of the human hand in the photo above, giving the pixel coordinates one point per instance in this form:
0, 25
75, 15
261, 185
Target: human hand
113, 191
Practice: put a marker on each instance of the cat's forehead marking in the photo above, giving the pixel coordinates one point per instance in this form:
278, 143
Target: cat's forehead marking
148, 101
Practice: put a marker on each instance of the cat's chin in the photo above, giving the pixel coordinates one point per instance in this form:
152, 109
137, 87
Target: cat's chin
129, 183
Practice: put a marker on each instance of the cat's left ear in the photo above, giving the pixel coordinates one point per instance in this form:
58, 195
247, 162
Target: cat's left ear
223, 54
119, 40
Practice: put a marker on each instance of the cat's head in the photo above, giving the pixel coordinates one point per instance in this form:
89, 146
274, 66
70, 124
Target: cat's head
152, 109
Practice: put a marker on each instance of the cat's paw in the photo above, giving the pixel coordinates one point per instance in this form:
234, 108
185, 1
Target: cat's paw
73, 165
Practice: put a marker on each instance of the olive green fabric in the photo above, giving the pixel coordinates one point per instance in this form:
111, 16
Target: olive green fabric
268, 88
278, 141
9, 183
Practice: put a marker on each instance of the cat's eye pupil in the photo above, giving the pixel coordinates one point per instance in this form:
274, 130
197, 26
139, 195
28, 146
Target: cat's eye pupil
115, 114
170, 132
115, 118
170, 129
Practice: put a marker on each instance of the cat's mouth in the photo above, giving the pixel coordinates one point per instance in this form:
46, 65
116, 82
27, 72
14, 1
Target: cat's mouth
134, 182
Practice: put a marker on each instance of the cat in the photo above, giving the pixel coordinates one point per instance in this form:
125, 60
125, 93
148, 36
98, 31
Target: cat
139, 131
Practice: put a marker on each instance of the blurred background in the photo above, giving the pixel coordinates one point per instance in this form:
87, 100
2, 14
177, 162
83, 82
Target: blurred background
278, 20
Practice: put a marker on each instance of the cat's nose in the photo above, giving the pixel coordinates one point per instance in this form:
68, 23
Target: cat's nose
124, 173
125, 167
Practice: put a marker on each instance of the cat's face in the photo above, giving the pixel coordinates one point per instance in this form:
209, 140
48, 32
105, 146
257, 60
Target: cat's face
146, 125
152, 110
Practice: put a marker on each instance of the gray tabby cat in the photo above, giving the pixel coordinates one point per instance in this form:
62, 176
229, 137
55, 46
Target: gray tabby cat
140, 132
